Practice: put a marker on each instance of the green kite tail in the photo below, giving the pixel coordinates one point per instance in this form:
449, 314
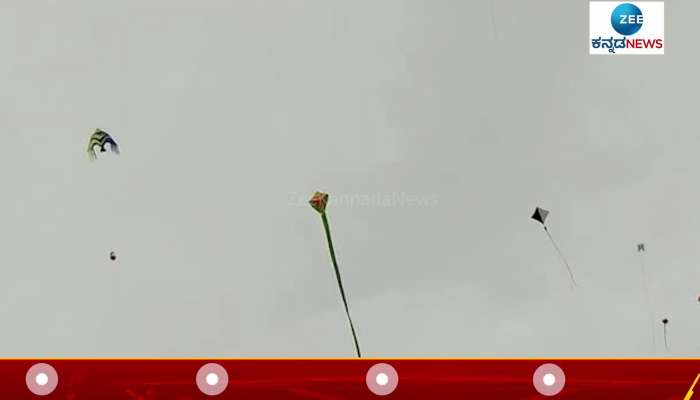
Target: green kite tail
340, 282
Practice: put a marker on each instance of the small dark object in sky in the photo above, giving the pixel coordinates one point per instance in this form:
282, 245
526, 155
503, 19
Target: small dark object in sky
101, 138
665, 320
540, 215
112, 256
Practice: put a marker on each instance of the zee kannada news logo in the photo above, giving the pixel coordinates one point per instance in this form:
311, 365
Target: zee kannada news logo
626, 28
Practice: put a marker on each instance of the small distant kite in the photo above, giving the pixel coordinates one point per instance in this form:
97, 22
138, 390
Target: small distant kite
101, 138
665, 322
112, 256
318, 202
540, 215
641, 249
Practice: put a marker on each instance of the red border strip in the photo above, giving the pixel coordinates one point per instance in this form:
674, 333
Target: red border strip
327, 379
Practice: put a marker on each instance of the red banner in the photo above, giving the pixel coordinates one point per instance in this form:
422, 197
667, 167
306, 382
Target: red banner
328, 379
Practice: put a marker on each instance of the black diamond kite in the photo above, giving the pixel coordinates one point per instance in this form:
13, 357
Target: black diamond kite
665, 322
540, 215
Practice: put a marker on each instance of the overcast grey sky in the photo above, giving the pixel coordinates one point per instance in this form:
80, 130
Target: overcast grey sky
230, 114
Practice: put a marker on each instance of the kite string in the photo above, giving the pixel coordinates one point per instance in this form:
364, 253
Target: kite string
650, 304
561, 255
665, 339
340, 282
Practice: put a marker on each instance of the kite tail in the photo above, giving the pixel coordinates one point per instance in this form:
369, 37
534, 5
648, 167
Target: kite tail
561, 255
647, 294
665, 338
340, 282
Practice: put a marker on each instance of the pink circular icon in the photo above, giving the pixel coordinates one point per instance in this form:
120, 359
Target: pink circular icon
382, 379
548, 379
212, 379
41, 379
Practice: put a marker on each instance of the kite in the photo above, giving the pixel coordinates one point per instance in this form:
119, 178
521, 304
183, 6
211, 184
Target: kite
112, 256
647, 293
540, 215
665, 322
101, 138
318, 202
